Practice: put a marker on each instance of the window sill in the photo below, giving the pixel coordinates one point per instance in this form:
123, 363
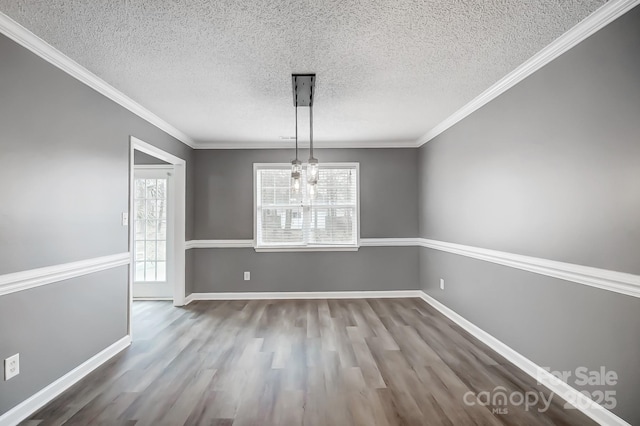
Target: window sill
306, 248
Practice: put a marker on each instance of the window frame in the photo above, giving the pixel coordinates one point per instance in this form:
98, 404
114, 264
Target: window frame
302, 248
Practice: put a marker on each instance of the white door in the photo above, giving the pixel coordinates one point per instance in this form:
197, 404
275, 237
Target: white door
153, 233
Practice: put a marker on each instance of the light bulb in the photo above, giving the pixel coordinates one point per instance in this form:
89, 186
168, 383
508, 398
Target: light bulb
295, 182
312, 191
313, 170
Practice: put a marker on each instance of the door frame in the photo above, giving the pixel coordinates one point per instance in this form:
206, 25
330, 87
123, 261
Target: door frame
176, 250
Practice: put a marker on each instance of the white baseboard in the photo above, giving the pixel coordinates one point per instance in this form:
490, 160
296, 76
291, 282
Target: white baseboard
280, 295
557, 386
46, 395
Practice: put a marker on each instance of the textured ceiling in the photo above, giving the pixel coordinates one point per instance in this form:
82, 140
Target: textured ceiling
220, 70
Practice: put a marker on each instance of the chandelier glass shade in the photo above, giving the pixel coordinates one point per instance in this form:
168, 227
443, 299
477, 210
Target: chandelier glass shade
303, 87
296, 165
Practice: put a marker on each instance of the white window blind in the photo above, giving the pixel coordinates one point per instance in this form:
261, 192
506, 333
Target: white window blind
284, 219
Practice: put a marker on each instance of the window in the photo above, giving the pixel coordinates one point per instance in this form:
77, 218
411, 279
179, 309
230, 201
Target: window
150, 210
286, 221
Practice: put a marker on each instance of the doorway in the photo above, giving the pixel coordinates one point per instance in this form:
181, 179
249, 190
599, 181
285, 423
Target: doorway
152, 274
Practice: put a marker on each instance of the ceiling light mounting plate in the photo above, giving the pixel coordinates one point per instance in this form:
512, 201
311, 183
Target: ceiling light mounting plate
303, 88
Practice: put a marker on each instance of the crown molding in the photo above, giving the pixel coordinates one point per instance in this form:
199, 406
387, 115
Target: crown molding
594, 22
289, 144
606, 14
35, 44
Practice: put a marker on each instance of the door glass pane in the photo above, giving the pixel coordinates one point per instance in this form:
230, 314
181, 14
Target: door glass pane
151, 230
162, 231
161, 250
161, 189
139, 271
139, 231
139, 189
141, 211
151, 189
161, 209
151, 209
161, 271
150, 250
150, 271
139, 250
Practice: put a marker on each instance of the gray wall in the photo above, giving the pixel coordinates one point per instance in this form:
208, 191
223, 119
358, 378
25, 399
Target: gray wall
140, 157
224, 189
370, 268
59, 326
64, 166
224, 210
64, 162
550, 169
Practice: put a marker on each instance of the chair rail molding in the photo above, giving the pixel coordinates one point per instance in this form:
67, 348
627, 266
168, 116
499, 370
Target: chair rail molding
364, 242
24, 280
218, 244
619, 282
389, 242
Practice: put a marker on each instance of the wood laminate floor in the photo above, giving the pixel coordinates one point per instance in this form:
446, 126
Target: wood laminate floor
304, 362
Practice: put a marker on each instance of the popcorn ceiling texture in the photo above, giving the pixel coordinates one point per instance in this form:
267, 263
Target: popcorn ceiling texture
220, 70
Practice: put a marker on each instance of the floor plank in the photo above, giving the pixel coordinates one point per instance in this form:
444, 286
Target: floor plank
366, 362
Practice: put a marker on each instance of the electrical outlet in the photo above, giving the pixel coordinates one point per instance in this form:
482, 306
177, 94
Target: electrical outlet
441, 283
11, 366
125, 219
247, 275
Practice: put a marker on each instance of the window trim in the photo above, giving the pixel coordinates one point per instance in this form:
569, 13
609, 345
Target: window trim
306, 248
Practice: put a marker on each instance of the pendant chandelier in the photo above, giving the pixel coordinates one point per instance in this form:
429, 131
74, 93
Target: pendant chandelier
303, 87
